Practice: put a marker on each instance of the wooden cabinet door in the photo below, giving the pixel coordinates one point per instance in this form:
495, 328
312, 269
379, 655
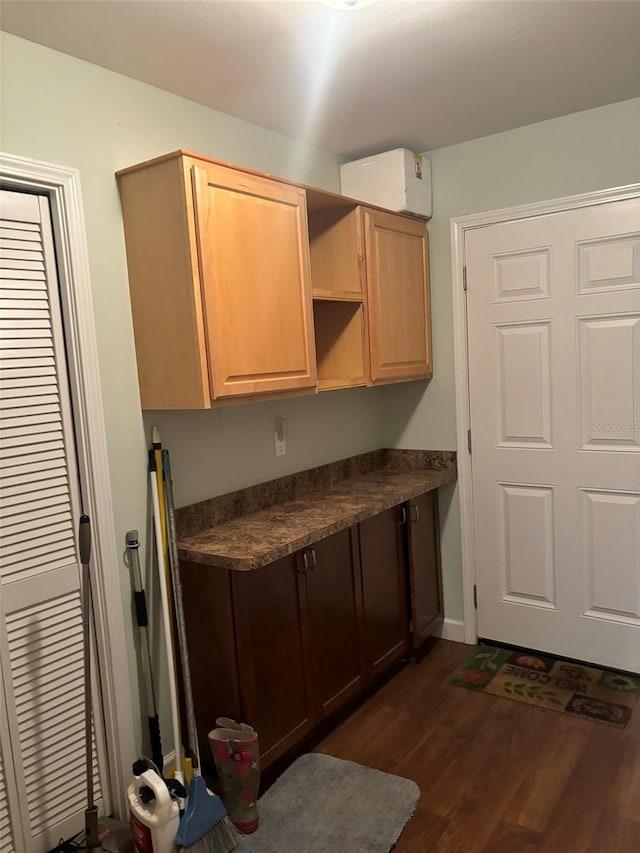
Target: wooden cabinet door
273, 655
253, 252
384, 589
334, 594
397, 262
424, 566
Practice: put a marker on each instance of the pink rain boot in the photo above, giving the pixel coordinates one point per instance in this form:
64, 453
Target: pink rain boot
237, 757
228, 723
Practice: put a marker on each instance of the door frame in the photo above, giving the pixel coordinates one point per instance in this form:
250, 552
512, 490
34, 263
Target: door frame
459, 225
62, 186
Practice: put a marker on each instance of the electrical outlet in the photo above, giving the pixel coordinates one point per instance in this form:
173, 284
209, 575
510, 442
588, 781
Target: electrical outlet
280, 436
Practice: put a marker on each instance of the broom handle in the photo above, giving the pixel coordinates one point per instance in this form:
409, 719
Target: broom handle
166, 611
179, 609
84, 547
156, 443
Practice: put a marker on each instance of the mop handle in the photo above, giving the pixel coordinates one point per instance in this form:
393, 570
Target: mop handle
174, 561
84, 547
142, 620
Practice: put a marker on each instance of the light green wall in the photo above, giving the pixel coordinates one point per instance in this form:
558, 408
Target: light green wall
65, 111
217, 453
573, 154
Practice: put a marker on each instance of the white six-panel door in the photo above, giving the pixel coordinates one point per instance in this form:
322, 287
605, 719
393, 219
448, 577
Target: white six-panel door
554, 374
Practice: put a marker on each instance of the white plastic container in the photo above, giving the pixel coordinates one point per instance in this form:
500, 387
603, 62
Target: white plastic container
398, 180
154, 824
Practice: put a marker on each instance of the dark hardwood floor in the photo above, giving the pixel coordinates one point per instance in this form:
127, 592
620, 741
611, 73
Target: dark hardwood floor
496, 776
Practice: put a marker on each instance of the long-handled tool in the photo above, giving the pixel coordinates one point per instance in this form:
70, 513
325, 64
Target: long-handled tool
184, 763
104, 835
142, 620
166, 614
204, 827
92, 840
156, 446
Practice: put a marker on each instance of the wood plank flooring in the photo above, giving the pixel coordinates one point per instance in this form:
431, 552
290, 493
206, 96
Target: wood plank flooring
496, 776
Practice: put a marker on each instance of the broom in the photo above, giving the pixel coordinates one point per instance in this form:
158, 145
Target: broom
166, 612
204, 826
182, 763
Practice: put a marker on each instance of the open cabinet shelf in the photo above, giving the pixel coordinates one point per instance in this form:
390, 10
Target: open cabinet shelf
336, 254
340, 344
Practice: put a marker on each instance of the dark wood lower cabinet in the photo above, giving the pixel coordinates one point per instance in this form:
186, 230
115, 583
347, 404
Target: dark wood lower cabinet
285, 646
425, 580
384, 590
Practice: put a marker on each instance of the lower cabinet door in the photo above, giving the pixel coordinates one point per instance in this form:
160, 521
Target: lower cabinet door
424, 566
384, 589
273, 655
334, 595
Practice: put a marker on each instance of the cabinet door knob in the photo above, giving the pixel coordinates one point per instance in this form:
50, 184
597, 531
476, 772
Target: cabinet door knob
403, 515
305, 561
415, 512
314, 561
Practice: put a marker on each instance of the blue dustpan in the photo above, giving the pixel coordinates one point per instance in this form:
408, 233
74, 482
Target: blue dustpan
203, 813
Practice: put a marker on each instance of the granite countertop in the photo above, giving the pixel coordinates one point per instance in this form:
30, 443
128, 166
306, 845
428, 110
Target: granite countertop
255, 539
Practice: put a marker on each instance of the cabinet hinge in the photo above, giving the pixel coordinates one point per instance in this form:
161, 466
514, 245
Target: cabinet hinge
475, 596
469, 440
464, 278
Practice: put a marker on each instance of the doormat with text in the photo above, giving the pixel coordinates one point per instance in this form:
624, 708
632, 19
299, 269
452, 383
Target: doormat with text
549, 682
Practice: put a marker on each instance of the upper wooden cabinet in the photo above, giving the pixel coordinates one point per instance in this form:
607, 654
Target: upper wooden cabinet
220, 288
243, 286
380, 260
397, 261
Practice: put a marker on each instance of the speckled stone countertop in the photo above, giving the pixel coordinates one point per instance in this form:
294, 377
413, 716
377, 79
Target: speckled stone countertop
251, 528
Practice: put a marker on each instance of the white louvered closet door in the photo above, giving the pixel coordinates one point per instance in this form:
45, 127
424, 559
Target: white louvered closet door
43, 792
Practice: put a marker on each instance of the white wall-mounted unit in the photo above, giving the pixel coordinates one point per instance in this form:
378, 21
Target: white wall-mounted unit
398, 180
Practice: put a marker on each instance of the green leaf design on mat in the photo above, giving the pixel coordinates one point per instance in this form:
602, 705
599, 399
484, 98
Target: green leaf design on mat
532, 691
488, 659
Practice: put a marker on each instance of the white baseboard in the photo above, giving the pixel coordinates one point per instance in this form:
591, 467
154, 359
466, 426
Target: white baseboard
453, 629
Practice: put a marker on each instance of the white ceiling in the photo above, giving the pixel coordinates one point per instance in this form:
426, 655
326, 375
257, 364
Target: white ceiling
414, 73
